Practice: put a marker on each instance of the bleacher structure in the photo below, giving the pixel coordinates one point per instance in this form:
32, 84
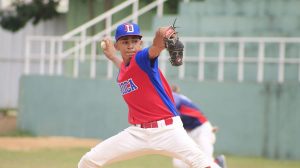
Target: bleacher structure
230, 40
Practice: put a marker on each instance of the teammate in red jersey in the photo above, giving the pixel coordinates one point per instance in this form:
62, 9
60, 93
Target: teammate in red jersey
155, 124
197, 126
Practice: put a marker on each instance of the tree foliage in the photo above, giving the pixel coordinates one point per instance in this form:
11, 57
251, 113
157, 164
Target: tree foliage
15, 18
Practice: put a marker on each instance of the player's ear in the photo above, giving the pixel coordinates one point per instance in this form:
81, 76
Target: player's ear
141, 44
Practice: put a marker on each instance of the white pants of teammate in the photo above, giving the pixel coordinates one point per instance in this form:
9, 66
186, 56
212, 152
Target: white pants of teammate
205, 138
171, 140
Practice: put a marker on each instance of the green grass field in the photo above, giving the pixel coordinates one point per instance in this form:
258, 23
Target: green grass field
68, 158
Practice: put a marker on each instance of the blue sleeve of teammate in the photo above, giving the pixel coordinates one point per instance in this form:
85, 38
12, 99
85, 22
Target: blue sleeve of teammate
142, 59
177, 100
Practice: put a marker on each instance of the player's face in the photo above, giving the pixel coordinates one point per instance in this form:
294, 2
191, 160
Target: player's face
128, 46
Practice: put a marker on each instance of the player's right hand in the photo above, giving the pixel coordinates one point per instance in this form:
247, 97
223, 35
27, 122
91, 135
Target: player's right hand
109, 50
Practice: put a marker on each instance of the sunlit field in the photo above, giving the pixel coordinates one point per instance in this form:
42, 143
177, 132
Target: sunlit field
68, 158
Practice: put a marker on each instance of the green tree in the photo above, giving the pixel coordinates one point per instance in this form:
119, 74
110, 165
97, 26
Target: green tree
20, 13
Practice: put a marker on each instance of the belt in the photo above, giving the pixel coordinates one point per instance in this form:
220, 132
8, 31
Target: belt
156, 124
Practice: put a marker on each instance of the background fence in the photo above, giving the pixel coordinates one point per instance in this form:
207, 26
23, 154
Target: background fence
254, 119
205, 58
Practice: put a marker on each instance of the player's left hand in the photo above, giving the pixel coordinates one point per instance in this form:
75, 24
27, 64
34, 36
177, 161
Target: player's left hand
174, 46
167, 32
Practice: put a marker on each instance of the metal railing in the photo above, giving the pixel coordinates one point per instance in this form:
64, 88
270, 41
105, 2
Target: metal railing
80, 33
260, 52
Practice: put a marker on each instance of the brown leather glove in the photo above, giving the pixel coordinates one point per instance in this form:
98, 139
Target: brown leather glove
175, 48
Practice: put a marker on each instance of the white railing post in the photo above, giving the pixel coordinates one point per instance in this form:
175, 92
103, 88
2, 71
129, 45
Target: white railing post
201, 69
160, 8
93, 60
135, 9
110, 68
52, 57
281, 62
182, 67
299, 67
221, 61
108, 26
241, 56
27, 55
42, 60
163, 63
260, 61
76, 62
82, 48
59, 57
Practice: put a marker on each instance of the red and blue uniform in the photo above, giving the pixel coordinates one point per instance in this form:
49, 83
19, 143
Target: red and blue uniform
145, 90
190, 114
156, 125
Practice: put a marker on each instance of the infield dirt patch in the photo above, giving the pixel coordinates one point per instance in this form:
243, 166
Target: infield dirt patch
8, 123
34, 143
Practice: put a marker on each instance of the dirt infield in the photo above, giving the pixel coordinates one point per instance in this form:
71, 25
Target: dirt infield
33, 143
8, 123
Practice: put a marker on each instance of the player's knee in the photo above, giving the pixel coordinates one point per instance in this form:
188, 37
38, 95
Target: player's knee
87, 162
179, 164
198, 161
84, 162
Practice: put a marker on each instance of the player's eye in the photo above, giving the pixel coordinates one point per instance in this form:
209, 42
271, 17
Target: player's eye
125, 42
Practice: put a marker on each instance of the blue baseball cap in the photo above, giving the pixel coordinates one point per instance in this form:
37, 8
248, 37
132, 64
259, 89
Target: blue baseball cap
127, 29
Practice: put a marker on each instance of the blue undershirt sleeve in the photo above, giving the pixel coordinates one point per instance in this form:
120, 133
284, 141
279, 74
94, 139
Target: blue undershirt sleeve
143, 60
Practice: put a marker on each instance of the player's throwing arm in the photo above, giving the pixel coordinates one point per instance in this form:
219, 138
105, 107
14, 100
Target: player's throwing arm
109, 51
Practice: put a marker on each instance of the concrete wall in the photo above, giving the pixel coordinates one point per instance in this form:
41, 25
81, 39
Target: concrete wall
71, 107
254, 119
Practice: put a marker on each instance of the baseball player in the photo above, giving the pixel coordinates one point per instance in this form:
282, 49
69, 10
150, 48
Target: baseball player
197, 126
155, 124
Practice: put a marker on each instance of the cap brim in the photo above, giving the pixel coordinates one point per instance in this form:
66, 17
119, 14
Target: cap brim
129, 35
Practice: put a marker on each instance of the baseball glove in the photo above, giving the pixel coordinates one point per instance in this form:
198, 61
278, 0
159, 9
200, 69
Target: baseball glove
175, 48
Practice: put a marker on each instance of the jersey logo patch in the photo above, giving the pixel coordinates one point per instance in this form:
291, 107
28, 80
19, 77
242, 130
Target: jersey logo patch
127, 86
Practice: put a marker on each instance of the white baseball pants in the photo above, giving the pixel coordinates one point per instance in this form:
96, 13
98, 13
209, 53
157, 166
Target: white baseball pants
171, 140
205, 138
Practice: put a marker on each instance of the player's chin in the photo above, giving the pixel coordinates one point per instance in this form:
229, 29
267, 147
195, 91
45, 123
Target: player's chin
129, 54
128, 57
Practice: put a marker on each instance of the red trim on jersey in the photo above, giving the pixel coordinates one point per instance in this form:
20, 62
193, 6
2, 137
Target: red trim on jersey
193, 113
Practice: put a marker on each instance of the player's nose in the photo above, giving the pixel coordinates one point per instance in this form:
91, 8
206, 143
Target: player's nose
130, 45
